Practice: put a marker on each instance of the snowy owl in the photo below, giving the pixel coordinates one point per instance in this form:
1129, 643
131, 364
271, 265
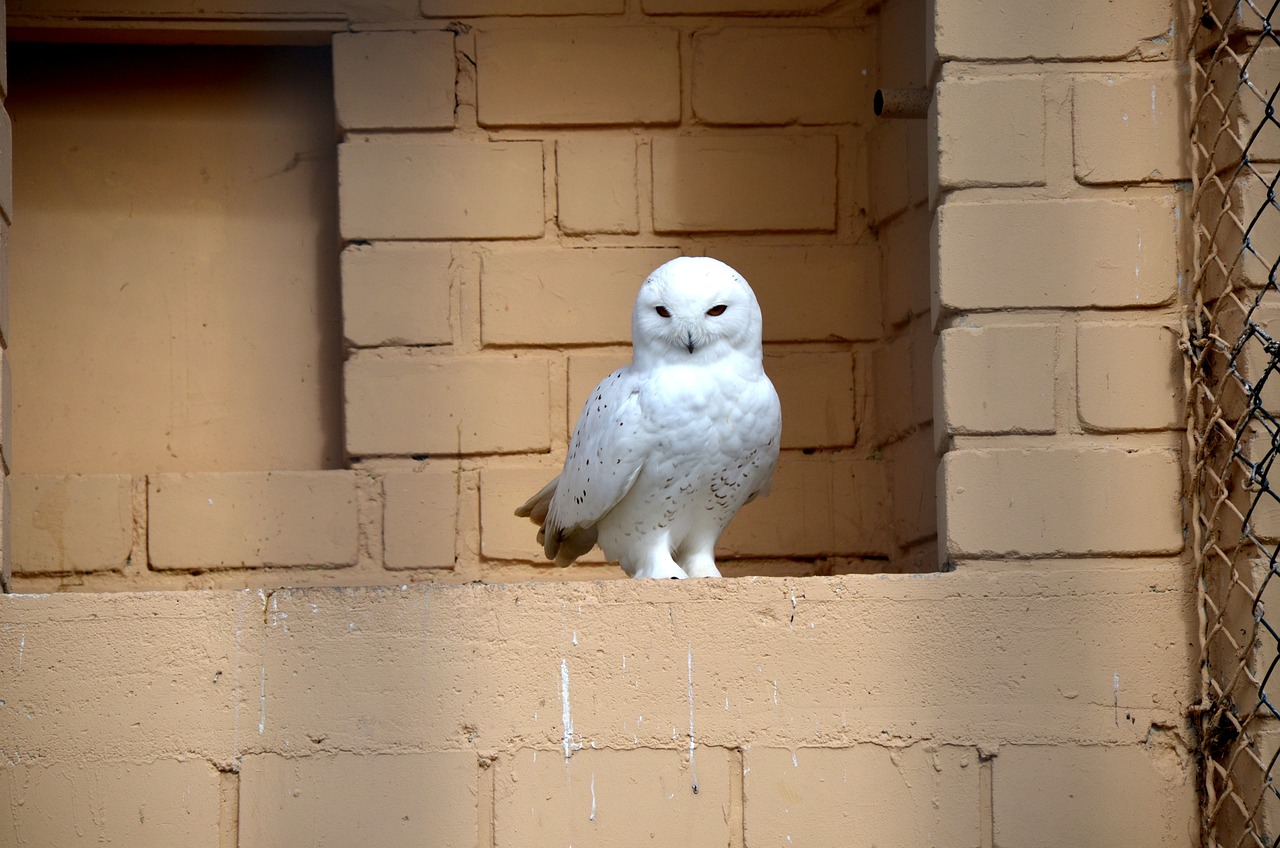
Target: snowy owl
669, 447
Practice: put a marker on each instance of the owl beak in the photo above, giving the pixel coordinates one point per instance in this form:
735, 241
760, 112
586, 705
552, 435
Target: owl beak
688, 342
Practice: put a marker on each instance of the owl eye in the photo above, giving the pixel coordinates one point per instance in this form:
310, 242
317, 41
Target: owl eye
718, 309
662, 310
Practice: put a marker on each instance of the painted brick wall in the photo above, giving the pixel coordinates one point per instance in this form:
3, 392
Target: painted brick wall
508, 175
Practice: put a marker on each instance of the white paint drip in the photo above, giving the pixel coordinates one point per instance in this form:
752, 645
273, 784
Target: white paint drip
775, 692
624, 662
593, 796
566, 717
575, 638
262, 703
1137, 265
693, 768
795, 763
22, 649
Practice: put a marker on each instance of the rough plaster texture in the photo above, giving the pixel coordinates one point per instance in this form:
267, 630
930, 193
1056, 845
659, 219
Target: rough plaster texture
880, 710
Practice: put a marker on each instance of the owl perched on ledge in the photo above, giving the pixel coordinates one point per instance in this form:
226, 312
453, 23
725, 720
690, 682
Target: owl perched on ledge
669, 447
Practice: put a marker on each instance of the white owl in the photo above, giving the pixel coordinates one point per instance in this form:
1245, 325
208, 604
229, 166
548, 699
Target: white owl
669, 447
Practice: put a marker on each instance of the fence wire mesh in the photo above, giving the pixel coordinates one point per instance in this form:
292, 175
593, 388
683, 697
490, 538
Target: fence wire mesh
1232, 342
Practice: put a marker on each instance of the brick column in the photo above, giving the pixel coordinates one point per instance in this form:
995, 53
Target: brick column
6, 216
1059, 147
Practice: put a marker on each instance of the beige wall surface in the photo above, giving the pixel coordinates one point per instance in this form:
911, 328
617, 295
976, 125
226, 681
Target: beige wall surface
1039, 706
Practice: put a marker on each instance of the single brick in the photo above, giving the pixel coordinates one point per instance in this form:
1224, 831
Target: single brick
816, 390
1133, 795
990, 131
394, 80
905, 266
420, 517
161, 802
729, 7
578, 75
446, 405
744, 183
254, 519
870, 794
556, 296
1128, 376
6, 535
1251, 191
754, 76
6, 165
819, 505
6, 403
71, 522
903, 373
480, 8
913, 475
992, 29
612, 797
1072, 254
502, 534
899, 164
389, 800
596, 184
813, 292
998, 378
1264, 69
1059, 500
899, 50
416, 187
1128, 128
396, 294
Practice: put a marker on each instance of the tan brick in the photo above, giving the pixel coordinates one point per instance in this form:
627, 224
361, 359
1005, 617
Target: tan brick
998, 378
816, 390
913, 475
904, 379
728, 7
873, 795
900, 162
820, 504
396, 294
811, 293
578, 75
149, 805
388, 800
443, 405
1059, 500
415, 187
6, 165
1031, 254
71, 522
608, 797
502, 534
992, 29
255, 519
596, 185
990, 131
1128, 376
1264, 69
1128, 128
1132, 795
743, 183
900, 52
555, 296
904, 272
755, 75
420, 517
1263, 232
6, 536
479, 8
394, 80
6, 405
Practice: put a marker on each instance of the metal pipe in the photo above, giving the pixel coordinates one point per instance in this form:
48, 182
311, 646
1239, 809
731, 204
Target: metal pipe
902, 102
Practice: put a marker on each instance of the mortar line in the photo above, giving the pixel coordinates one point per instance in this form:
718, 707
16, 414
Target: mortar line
228, 809
986, 803
737, 817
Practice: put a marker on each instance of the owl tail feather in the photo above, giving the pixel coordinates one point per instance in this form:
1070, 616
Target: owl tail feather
562, 545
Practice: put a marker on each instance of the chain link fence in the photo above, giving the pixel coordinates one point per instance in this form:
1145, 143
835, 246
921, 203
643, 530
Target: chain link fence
1232, 342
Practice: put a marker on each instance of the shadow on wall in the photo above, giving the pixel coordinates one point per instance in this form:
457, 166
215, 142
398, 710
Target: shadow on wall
174, 287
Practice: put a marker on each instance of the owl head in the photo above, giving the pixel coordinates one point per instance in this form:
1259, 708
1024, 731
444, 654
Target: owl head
695, 308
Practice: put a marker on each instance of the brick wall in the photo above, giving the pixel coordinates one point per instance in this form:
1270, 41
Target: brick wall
507, 178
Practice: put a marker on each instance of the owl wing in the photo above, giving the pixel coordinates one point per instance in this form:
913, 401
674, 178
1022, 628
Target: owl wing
606, 455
